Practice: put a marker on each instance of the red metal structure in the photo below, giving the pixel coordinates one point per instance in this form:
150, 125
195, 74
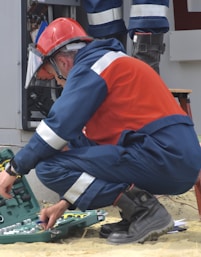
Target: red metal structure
184, 99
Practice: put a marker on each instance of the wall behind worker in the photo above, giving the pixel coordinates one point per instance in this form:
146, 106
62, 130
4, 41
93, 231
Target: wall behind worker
183, 74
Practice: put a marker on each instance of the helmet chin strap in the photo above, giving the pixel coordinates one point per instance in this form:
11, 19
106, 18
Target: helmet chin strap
59, 75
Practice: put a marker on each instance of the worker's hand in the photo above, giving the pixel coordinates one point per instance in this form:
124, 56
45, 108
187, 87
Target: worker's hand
6, 183
49, 215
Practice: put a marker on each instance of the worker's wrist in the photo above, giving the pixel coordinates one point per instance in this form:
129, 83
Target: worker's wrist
10, 170
64, 204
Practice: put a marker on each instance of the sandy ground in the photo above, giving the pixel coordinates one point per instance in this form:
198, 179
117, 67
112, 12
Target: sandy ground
86, 243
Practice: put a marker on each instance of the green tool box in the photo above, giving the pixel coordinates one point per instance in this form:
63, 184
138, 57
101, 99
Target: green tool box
19, 220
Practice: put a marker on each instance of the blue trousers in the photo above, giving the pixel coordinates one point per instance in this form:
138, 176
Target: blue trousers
166, 161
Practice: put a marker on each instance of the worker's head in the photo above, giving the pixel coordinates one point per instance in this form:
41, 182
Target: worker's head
52, 56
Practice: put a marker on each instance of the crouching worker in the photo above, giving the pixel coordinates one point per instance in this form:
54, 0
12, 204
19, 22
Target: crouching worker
115, 136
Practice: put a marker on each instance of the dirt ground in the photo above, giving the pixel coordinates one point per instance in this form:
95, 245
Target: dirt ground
86, 243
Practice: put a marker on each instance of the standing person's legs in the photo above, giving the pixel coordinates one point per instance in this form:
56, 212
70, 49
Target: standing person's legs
147, 25
148, 47
105, 19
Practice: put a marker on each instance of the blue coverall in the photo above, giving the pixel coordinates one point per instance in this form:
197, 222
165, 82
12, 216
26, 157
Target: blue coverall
122, 126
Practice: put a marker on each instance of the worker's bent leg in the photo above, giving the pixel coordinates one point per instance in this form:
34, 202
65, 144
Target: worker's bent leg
162, 163
78, 188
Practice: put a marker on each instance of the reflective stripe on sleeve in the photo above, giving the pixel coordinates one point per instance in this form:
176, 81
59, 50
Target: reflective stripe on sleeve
145, 10
49, 136
79, 187
105, 16
105, 61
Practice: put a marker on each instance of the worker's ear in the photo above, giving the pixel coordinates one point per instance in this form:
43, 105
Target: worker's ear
63, 61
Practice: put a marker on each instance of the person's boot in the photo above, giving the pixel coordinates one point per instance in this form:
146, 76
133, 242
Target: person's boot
148, 47
108, 228
147, 216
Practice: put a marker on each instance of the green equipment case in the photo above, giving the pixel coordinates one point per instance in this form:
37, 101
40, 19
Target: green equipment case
19, 216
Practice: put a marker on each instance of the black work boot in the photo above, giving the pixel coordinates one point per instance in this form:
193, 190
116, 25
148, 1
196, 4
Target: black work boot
148, 218
148, 48
108, 228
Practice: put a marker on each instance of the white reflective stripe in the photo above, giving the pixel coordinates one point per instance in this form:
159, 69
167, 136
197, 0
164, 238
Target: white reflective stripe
79, 187
105, 16
140, 10
106, 60
75, 46
49, 136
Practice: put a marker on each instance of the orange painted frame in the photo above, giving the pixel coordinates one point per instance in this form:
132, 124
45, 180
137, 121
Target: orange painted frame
184, 99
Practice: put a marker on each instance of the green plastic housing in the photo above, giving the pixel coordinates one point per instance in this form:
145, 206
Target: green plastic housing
19, 216
19, 219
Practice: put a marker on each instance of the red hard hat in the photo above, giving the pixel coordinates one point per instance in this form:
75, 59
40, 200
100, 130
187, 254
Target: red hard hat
60, 32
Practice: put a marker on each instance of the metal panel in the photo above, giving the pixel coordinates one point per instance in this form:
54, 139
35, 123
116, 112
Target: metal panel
10, 65
194, 5
60, 2
38, 98
185, 45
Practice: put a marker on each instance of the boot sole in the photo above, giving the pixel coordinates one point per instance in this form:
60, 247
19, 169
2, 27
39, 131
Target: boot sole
149, 236
104, 233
